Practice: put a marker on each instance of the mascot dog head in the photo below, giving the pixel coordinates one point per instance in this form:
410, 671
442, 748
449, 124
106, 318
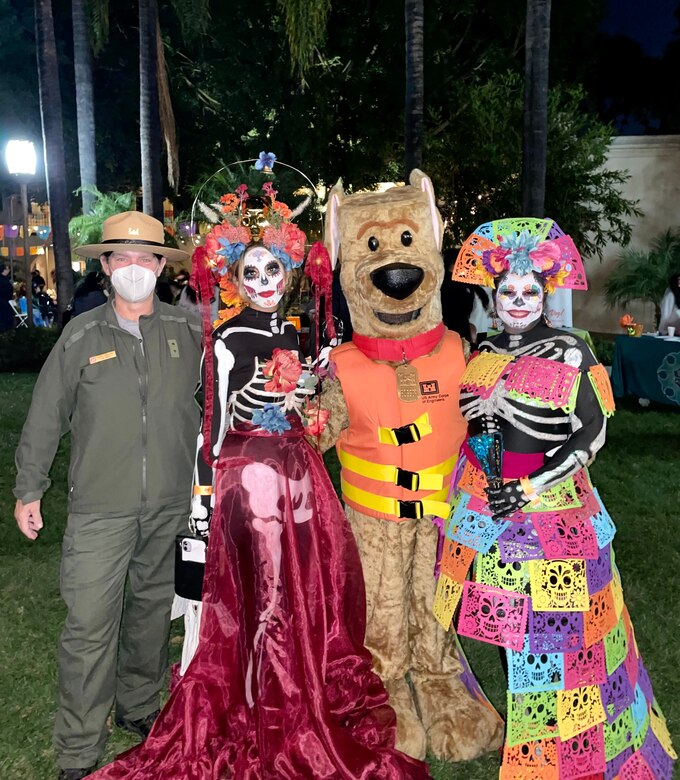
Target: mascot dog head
389, 246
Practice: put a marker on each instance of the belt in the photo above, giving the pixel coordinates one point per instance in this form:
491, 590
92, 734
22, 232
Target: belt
433, 505
431, 478
407, 434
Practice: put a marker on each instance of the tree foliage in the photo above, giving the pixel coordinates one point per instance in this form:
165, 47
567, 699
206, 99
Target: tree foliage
87, 228
642, 275
474, 157
234, 94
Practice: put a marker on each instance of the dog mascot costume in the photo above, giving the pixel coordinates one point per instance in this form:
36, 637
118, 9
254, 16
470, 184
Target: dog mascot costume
395, 421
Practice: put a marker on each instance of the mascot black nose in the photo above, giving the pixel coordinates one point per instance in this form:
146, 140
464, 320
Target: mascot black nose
398, 280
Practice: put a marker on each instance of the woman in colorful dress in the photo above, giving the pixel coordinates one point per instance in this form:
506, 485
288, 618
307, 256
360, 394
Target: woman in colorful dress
527, 558
279, 684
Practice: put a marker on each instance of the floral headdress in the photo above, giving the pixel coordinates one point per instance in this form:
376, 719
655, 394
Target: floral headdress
254, 219
522, 246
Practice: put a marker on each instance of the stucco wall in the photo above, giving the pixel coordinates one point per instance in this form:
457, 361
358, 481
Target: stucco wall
654, 166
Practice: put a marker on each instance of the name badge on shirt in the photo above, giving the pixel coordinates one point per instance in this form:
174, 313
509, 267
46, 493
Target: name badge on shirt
103, 356
174, 348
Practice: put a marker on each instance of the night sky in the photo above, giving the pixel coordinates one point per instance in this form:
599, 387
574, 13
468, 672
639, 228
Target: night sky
650, 22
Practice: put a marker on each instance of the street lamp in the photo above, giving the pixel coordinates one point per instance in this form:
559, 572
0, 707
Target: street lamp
21, 162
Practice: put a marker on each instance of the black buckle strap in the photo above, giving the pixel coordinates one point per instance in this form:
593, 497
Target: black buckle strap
412, 510
407, 434
409, 480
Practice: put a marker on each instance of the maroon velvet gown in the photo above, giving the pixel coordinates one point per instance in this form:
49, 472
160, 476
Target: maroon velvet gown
281, 685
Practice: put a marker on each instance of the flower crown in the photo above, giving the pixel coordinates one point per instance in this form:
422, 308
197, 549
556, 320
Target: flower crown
249, 220
522, 246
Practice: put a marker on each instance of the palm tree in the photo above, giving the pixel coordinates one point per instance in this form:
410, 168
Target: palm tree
53, 143
643, 275
149, 112
415, 86
535, 140
82, 61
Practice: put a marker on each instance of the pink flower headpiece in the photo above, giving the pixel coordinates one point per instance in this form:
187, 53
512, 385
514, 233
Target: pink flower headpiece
522, 246
251, 220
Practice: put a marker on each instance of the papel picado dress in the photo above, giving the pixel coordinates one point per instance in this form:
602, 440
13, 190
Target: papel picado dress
542, 582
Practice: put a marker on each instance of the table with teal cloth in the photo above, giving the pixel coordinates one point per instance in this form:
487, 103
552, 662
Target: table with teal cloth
647, 367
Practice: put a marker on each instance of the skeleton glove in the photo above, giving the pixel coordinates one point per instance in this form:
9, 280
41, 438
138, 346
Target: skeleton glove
507, 500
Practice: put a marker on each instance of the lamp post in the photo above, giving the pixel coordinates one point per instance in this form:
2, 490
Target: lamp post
21, 162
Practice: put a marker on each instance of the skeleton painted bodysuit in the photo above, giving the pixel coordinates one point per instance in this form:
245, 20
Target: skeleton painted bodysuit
280, 685
537, 577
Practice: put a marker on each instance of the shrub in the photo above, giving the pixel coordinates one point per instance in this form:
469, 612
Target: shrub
26, 349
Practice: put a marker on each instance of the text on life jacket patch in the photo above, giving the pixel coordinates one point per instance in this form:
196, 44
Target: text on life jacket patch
104, 356
174, 348
408, 388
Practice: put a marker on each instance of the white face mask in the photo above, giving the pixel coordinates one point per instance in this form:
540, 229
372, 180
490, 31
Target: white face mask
264, 279
133, 282
519, 302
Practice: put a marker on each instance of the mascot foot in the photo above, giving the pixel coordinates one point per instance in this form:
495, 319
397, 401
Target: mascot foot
411, 737
459, 727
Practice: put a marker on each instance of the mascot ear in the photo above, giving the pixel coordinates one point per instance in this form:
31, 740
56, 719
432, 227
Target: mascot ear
422, 182
331, 225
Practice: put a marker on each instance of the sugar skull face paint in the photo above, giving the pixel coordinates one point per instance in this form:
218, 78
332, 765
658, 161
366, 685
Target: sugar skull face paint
263, 279
519, 302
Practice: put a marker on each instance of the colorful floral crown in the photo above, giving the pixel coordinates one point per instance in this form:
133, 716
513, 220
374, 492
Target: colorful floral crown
522, 246
251, 220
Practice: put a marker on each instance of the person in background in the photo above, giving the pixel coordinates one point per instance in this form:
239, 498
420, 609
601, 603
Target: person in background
670, 306
46, 305
36, 279
164, 291
6, 295
89, 293
116, 375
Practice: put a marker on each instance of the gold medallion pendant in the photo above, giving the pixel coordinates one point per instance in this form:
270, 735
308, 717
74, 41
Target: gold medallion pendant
408, 389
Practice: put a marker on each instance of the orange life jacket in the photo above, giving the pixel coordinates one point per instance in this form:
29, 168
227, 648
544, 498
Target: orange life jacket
397, 457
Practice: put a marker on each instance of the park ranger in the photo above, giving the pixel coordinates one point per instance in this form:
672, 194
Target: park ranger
121, 379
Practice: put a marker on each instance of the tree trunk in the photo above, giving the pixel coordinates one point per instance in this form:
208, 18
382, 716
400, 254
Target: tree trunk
415, 86
82, 60
535, 141
149, 113
53, 143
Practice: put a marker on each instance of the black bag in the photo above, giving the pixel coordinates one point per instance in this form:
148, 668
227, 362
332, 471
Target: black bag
189, 566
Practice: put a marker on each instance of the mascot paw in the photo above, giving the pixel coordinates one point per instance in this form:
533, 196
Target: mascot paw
411, 738
459, 727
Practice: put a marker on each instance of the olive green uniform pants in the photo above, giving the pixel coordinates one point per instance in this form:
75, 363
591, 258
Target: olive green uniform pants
117, 579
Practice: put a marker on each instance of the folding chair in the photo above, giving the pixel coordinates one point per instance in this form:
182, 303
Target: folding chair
20, 316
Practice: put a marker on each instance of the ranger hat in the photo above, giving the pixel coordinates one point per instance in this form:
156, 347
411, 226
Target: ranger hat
132, 231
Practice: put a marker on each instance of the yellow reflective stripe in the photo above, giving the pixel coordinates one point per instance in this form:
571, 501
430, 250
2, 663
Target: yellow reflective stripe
431, 478
421, 425
434, 504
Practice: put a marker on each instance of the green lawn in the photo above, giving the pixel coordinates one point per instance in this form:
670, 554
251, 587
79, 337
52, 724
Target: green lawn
637, 475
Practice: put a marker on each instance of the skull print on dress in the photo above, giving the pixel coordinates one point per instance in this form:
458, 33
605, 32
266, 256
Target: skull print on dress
577, 679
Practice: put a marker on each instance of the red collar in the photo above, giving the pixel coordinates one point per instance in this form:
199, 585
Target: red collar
396, 351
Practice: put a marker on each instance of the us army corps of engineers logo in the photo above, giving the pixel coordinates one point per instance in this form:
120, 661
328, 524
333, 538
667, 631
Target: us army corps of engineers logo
429, 392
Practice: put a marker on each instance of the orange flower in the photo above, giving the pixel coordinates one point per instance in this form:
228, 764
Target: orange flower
284, 368
229, 202
281, 209
626, 321
229, 293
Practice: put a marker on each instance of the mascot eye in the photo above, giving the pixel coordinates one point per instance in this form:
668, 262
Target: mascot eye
373, 244
406, 238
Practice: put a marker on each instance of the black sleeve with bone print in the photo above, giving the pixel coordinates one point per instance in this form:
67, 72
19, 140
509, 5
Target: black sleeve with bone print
568, 440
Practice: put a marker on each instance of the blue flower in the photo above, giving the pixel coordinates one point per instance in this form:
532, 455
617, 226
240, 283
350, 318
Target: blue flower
520, 244
231, 252
271, 418
282, 256
265, 162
